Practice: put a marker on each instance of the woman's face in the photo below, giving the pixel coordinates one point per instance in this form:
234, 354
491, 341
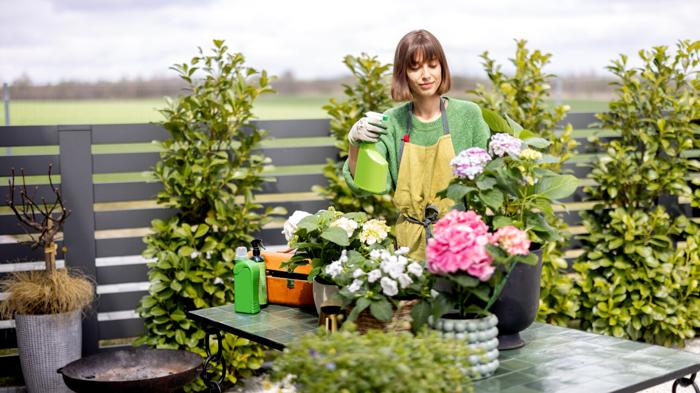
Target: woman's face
424, 77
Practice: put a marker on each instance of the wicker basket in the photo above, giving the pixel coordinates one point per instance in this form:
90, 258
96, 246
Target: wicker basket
400, 321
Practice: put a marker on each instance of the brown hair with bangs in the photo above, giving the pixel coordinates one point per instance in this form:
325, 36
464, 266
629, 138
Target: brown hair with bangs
414, 46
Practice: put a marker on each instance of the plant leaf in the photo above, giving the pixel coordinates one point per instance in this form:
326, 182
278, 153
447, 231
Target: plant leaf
337, 236
557, 187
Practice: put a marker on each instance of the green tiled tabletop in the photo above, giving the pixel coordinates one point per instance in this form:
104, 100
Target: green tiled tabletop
275, 326
555, 359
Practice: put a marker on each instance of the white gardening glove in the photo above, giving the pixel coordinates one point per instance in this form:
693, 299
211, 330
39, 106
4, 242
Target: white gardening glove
367, 129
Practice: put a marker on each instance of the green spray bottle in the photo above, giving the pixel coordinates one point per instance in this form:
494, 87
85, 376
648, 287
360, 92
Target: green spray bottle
257, 245
246, 281
371, 169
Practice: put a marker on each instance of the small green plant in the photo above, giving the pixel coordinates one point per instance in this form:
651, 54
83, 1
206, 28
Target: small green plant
376, 362
651, 290
369, 93
522, 97
209, 173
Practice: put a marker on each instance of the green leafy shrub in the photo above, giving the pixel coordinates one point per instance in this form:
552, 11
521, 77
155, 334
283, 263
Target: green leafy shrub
522, 97
376, 362
209, 173
651, 291
369, 93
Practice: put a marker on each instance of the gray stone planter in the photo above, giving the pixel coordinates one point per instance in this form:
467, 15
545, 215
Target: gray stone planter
325, 294
46, 343
481, 336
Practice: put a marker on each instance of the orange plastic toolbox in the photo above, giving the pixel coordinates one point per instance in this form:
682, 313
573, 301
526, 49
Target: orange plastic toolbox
291, 289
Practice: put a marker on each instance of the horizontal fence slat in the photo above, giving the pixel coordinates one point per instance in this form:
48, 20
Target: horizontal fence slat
123, 328
118, 192
15, 252
8, 338
10, 367
110, 302
31, 165
28, 135
294, 183
295, 128
119, 219
118, 247
579, 120
139, 191
136, 162
35, 192
126, 162
128, 133
121, 274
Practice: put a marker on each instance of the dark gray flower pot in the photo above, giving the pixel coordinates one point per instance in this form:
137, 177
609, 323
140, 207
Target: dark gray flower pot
517, 306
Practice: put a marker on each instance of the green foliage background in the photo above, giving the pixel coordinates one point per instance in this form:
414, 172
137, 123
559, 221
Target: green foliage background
370, 92
523, 97
639, 270
209, 174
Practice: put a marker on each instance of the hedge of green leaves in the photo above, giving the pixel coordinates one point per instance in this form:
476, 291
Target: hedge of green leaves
209, 174
369, 93
639, 269
522, 97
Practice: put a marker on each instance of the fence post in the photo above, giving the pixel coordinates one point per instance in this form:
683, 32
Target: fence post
6, 101
79, 230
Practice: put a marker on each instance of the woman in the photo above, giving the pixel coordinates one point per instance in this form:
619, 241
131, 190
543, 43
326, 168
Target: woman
420, 137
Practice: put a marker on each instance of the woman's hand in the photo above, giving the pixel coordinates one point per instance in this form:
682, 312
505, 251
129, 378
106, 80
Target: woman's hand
366, 131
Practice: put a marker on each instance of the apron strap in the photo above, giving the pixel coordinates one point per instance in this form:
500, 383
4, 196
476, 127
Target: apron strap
409, 126
431, 216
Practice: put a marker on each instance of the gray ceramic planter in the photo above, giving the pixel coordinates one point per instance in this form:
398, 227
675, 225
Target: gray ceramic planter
481, 336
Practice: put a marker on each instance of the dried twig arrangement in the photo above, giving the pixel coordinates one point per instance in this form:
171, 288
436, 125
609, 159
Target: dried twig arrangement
39, 217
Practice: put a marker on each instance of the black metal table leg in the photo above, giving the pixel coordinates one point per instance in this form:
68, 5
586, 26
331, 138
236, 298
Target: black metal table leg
207, 376
685, 382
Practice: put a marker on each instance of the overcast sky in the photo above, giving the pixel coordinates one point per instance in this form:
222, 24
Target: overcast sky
54, 40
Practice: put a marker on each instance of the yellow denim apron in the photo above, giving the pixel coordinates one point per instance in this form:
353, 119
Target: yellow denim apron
423, 171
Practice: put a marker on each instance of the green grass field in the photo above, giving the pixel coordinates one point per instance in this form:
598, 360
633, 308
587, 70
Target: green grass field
37, 112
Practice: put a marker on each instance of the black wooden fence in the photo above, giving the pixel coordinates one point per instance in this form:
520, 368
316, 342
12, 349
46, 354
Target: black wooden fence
104, 177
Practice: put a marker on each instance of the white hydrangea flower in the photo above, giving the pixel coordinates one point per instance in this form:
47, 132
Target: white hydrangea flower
374, 231
290, 226
416, 269
393, 266
355, 286
343, 256
374, 275
357, 273
334, 269
346, 224
375, 254
404, 280
402, 251
389, 286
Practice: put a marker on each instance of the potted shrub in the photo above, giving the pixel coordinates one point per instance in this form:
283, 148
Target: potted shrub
510, 186
321, 238
375, 362
46, 304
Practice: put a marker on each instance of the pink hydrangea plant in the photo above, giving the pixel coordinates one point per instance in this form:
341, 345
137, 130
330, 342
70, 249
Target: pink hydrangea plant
512, 239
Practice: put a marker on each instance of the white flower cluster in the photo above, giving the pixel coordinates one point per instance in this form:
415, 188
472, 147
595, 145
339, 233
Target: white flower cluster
346, 224
394, 271
374, 231
336, 267
290, 226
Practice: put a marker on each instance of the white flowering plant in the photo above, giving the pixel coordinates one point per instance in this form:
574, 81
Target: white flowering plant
321, 238
379, 281
510, 184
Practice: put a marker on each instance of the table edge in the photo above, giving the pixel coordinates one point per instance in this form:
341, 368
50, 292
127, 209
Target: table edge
241, 333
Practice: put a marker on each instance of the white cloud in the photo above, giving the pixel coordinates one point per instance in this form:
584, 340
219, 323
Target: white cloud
110, 39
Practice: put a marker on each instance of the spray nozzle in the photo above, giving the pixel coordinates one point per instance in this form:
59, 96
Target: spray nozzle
257, 245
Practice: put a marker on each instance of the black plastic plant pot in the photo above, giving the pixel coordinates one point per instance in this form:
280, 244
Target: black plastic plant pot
517, 306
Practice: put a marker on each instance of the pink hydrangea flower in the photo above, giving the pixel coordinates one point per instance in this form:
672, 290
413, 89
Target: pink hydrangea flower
470, 162
459, 245
512, 239
502, 144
